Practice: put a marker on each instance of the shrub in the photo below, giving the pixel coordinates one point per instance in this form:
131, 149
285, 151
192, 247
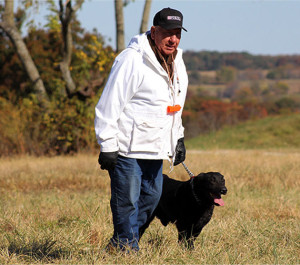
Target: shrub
66, 127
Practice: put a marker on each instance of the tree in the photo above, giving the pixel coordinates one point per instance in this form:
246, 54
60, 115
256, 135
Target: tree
119, 4
145, 17
226, 74
52, 54
66, 14
120, 25
8, 25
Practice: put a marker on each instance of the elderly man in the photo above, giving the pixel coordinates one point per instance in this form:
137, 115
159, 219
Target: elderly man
138, 123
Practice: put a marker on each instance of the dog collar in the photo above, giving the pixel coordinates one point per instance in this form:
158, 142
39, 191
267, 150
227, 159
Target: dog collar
193, 191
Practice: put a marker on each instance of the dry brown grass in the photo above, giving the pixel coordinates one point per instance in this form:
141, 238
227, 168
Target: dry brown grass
56, 210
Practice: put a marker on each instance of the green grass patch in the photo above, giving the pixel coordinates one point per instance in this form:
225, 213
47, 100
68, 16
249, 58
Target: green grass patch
269, 133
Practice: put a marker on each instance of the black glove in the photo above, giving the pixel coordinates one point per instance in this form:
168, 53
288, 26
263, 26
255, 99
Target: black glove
108, 160
179, 152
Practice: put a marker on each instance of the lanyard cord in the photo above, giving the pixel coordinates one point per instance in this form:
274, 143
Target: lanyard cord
174, 68
167, 69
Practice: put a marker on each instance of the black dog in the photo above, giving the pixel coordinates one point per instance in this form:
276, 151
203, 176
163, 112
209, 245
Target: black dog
189, 204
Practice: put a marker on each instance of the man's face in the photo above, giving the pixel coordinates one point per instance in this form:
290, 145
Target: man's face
166, 40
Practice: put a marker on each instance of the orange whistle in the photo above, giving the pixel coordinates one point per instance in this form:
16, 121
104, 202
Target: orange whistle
173, 108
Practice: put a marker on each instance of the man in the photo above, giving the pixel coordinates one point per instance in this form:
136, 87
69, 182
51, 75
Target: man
138, 123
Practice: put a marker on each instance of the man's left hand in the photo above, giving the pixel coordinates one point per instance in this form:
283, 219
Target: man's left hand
179, 152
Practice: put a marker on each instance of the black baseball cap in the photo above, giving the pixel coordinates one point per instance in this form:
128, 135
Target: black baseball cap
168, 18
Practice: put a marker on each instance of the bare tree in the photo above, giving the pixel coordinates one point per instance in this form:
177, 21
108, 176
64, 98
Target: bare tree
145, 17
120, 25
8, 25
66, 13
120, 36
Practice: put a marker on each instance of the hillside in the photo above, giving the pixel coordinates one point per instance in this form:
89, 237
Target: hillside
213, 60
273, 132
273, 81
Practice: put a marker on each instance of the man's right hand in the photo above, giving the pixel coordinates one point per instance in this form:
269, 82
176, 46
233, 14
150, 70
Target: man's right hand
108, 160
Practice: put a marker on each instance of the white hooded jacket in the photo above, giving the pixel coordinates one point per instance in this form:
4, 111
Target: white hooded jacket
131, 115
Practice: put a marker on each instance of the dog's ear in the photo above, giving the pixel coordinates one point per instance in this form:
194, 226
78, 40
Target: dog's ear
201, 176
209, 180
215, 176
202, 181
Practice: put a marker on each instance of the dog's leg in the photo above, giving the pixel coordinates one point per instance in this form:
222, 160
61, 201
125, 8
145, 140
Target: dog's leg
187, 235
143, 228
186, 238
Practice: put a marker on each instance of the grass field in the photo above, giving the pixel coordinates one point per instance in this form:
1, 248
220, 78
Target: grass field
273, 132
56, 210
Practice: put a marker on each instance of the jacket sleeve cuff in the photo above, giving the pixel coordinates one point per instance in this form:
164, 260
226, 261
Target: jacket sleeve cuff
181, 132
110, 145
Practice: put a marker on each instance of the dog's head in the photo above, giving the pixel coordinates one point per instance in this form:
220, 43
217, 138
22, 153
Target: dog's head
212, 186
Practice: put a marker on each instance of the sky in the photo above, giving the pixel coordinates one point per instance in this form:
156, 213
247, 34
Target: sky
260, 27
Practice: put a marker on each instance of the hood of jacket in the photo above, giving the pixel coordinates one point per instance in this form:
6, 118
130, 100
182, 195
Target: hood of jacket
141, 44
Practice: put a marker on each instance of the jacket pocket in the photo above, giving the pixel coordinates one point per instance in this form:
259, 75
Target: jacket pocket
147, 136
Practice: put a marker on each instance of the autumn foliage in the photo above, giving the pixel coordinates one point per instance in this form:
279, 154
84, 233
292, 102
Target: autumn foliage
207, 115
66, 125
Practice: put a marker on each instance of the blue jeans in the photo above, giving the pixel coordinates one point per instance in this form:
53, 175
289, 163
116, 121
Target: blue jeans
136, 186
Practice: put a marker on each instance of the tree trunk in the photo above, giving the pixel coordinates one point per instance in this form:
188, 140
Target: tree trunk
120, 25
66, 13
145, 18
11, 30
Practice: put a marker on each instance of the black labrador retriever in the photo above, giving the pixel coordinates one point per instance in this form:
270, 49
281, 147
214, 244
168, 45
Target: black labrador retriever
189, 204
